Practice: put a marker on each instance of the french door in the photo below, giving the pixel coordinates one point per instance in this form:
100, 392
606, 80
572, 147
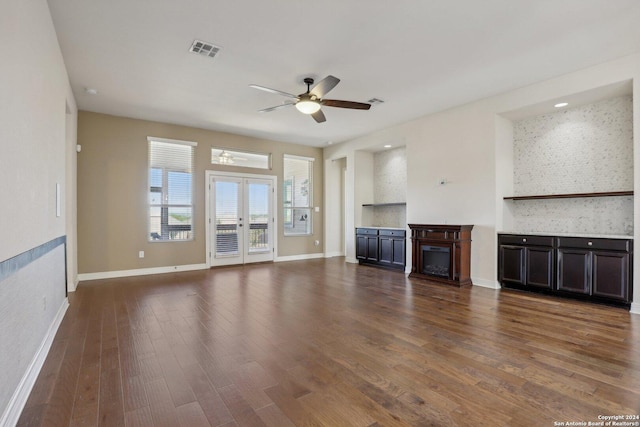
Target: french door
241, 221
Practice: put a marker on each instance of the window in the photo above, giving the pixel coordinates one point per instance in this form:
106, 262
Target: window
297, 195
170, 189
247, 159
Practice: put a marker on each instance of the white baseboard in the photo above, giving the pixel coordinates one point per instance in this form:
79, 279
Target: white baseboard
491, 284
140, 272
298, 257
333, 254
635, 308
351, 260
20, 396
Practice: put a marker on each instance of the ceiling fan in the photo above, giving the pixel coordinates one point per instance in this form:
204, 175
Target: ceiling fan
311, 101
225, 158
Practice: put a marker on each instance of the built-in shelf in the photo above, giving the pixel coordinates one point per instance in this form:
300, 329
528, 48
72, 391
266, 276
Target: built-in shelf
385, 204
572, 195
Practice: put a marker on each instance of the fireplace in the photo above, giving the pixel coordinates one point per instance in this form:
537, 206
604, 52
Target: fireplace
441, 253
436, 260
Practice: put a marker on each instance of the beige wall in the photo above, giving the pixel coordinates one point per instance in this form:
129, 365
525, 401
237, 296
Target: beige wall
112, 193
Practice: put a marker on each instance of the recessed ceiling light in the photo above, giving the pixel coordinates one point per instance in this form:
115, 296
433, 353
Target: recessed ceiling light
91, 91
387, 146
330, 142
561, 104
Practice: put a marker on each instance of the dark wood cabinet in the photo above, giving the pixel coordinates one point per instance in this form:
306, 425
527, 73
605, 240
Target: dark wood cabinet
381, 246
595, 269
599, 268
526, 261
367, 244
391, 245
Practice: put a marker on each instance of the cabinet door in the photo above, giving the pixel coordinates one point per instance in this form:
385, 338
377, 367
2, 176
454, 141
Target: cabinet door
611, 275
399, 247
574, 268
512, 265
361, 247
372, 248
539, 267
392, 251
386, 250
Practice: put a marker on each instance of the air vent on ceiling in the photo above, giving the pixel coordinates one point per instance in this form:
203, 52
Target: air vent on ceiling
204, 48
374, 101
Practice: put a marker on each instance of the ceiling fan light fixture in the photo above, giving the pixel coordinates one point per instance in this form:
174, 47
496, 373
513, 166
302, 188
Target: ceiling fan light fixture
225, 158
307, 106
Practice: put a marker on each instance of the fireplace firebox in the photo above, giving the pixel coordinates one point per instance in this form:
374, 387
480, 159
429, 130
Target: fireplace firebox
441, 253
436, 260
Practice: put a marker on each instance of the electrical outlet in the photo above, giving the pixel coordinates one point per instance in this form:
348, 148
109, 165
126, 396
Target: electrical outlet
141, 254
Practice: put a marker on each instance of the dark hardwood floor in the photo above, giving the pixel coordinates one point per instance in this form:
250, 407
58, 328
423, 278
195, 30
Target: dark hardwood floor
325, 343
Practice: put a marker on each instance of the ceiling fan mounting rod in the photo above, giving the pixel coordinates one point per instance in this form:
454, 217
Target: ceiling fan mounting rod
308, 81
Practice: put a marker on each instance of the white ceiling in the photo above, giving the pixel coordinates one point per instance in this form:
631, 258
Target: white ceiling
419, 56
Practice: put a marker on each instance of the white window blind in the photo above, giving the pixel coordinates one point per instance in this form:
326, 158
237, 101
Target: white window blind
171, 165
297, 196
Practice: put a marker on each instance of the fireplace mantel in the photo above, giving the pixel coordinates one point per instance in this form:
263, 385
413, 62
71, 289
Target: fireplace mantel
442, 253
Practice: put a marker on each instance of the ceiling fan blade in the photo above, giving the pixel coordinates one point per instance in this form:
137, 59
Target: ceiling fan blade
276, 91
277, 107
324, 86
345, 104
319, 117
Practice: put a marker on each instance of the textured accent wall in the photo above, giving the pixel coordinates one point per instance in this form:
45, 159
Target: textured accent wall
579, 150
390, 186
29, 301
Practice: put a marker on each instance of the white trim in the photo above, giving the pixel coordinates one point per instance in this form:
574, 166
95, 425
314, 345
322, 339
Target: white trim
635, 308
294, 157
172, 141
333, 254
351, 260
298, 257
484, 283
19, 399
140, 272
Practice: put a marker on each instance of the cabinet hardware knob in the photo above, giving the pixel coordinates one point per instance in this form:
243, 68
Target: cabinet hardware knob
524, 240
590, 243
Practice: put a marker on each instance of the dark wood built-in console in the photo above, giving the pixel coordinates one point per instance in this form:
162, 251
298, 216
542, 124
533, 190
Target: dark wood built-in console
441, 253
384, 247
594, 269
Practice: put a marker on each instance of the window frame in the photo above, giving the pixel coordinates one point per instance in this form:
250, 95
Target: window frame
288, 206
164, 206
238, 153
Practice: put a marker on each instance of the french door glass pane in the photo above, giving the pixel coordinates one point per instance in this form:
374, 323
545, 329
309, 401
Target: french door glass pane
226, 218
259, 239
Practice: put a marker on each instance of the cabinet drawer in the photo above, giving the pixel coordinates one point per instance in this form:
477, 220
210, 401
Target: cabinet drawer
524, 240
367, 231
600, 244
395, 233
